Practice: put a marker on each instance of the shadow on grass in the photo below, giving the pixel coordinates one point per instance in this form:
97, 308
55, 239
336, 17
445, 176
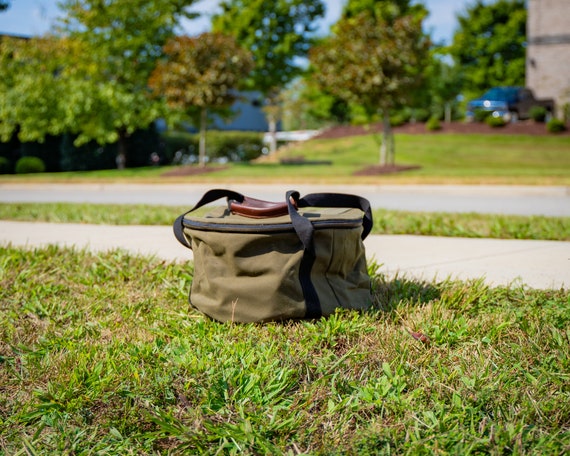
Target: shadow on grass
389, 293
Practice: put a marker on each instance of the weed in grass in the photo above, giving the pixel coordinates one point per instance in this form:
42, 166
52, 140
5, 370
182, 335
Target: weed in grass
100, 354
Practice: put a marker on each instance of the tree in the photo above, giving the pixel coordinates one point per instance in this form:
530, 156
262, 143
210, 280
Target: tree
30, 96
201, 72
489, 45
277, 33
374, 59
306, 106
119, 43
444, 85
387, 8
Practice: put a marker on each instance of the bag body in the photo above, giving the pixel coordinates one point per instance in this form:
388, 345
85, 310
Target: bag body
303, 261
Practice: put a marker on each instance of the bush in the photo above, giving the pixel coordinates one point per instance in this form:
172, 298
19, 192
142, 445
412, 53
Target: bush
555, 126
179, 141
481, 115
5, 167
27, 165
236, 146
232, 145
433, 124
495, 122
48, 151
537, 113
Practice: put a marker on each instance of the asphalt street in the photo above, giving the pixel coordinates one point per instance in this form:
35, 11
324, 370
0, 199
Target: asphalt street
512, 200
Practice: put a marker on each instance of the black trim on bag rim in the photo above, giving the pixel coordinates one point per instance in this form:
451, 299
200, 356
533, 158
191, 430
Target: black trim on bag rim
267, 228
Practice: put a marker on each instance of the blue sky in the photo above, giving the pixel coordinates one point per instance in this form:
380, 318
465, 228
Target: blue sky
34, 17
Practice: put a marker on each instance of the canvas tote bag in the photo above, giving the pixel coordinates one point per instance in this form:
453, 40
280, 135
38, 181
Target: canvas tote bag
258, 261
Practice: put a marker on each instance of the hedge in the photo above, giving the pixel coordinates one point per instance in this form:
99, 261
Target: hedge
236, 146
27, 165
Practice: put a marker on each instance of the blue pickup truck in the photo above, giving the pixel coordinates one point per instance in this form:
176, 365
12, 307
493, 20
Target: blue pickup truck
510, 103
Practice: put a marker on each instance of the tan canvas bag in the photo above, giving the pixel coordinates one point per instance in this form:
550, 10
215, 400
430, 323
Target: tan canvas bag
257, 261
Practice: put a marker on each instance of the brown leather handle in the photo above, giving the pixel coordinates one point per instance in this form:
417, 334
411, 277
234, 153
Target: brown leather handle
255, 208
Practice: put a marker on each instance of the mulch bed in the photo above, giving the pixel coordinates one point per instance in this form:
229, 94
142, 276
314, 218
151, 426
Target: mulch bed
520, 128
376, 170
192, 171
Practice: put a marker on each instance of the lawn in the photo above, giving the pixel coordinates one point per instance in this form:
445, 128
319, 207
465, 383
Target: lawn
442, 158
101, 354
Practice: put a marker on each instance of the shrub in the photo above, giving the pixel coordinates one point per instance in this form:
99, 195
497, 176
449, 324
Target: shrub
182, 141
537, 113
495, 122
555, 126
27, 165
399, 119
237, 146
233, 145
4, 165
566, 112
481, 115
48, 151
433, 124
420, 115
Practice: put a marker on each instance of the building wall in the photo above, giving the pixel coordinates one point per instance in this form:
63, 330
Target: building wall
548, 50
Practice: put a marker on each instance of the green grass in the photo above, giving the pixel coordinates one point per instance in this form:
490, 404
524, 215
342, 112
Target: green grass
443, 158
385, 221
100, 354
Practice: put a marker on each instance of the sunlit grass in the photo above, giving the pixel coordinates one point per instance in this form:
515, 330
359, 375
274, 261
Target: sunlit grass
442, 158
101, 354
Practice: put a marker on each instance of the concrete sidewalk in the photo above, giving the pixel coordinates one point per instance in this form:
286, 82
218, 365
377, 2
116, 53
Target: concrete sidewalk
537, 264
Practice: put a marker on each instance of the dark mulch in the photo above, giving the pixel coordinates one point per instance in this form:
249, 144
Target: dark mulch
192, 170
376, 170
519, 128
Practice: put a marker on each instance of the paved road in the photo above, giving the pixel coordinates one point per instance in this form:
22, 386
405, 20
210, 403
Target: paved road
515, 200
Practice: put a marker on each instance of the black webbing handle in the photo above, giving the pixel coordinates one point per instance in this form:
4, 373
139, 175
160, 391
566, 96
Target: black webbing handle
304, 227
209, 197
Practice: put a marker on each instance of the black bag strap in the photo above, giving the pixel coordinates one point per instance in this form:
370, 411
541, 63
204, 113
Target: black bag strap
304, 227
209, 197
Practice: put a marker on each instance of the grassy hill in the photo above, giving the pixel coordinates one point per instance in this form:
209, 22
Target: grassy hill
440, 158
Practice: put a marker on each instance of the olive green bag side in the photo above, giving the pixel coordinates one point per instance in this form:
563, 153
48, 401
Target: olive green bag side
340, 273
259, 270
246, 277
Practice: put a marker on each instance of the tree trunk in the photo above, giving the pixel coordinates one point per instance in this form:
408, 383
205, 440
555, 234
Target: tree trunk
387, 146
122, 150
272, 133
447, 113
202, 143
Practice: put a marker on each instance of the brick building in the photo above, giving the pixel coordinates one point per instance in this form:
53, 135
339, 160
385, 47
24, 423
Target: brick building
548, 51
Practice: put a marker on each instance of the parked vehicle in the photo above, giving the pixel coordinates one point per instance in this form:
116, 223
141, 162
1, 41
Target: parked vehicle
510, 103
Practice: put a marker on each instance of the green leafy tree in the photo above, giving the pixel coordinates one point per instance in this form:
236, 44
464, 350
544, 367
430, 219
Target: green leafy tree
277, 33
119, 42
444, 86
201, 72
374, 59
30, 95
387, 8
489, 45
4, 5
